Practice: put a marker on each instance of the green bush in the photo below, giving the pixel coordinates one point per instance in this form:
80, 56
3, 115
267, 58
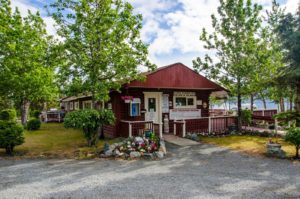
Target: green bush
8, 115
33, 124
246, 116
35, 114
89, 120
11, 135
293, 137
288, 117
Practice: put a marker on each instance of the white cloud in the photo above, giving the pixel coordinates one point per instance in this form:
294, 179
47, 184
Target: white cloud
24, 6
292, 5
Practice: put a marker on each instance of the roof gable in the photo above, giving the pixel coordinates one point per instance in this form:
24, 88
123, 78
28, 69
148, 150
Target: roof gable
175, 76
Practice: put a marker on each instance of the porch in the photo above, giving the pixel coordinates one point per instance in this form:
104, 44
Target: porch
217, 125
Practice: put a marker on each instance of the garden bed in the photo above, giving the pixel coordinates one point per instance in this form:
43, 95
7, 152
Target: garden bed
136, 147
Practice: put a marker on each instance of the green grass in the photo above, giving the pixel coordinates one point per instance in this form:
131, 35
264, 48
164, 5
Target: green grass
248, 144
53, 140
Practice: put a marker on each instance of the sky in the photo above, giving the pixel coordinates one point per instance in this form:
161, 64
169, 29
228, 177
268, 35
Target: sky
171, 28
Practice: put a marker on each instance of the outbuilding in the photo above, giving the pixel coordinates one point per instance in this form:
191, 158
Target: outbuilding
172, 99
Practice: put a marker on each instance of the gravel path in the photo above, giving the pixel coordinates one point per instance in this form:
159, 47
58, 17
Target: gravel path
201, 171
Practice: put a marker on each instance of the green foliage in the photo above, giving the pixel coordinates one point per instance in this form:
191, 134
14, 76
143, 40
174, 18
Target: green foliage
89, 120
288, 116
35, 114
11, 135
234, 38
246, 116
8, 115
33, 124
289, 31
101, 43
293, 136
245, 57
26, 64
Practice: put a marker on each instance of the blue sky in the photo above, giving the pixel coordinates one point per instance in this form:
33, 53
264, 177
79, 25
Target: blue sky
171, 27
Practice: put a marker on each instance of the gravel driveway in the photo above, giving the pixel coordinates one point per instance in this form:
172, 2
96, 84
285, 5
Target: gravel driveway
202, 171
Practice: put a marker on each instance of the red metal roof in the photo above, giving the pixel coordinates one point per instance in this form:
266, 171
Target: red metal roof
175, 76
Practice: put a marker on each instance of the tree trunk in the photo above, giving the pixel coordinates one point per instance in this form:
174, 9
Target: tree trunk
264, 101
24, 111
9, 150
239, 105
297, 103
281, 103
251, 102
297, 152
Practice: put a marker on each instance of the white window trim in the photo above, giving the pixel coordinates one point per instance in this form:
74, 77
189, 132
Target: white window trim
87, 101
76, 105
184, 107
71, 105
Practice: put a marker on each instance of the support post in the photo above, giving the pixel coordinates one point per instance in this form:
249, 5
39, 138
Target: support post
130, 130
174, 127
160, 130
209, 125
276, 126
183, 129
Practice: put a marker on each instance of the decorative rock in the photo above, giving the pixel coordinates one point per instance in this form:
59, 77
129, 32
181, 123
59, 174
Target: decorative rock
116, 152
148, 155
194, 137
159, 154
274, 150
135, 154
139, 139
108, 153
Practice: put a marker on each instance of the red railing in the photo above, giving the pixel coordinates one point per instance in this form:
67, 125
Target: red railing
268, 112
137, 128
205, 125
263, 116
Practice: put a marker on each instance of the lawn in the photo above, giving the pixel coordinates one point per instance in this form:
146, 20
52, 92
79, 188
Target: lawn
248, 144
54, 141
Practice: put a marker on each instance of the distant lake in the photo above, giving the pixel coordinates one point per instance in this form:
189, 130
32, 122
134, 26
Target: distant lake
258, 103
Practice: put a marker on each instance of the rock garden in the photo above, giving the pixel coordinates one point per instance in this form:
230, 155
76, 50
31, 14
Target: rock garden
148, 147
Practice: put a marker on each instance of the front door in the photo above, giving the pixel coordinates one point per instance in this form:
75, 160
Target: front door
153, 106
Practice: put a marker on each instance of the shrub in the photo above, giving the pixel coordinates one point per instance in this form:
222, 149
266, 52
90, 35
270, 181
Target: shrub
288, 116
33, 124
293, 137
11, 135
89, 121
8, 115
35, 114
246, 116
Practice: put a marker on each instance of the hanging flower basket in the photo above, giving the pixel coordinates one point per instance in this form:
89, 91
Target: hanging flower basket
127, 99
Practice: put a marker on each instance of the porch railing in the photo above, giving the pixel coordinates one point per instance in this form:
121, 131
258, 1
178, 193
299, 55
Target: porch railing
204, 125
137, 128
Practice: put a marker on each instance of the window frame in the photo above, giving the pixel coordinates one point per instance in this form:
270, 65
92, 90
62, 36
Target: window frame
87, 101
138, 102
76, 105
186, 99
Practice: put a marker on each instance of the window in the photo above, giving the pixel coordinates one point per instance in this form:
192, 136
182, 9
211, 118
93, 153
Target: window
135, 107
151, 105
76, 105
87, 104
185, 102
71, 105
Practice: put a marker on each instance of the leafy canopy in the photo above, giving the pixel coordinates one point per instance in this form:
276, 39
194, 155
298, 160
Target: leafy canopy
25, 69
103, 48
